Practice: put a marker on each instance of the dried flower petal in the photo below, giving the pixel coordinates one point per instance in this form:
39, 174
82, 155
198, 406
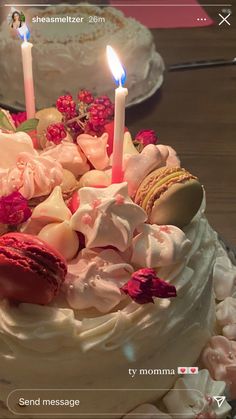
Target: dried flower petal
144, 285
145, 137
18, 118
14, 209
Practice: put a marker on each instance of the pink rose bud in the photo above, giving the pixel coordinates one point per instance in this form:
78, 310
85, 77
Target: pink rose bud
145, 137
14, 209
144, 285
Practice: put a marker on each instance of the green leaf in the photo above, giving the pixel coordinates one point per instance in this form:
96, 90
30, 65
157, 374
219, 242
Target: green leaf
5, 121
28, 125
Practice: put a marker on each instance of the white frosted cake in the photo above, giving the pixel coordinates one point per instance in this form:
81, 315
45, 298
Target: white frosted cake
110, 286
72, 55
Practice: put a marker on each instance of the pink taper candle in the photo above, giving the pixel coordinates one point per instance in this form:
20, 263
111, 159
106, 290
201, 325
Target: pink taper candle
119, 119
27, 73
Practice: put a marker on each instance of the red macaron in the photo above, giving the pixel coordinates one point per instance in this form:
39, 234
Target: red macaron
31, 271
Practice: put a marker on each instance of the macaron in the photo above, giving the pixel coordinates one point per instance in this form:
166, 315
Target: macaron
170, 195
31, 271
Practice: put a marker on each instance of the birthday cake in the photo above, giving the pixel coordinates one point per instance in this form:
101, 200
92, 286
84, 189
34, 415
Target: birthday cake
109, 286
67, 53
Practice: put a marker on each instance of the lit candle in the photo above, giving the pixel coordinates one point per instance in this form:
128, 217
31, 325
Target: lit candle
27, 71
119, 118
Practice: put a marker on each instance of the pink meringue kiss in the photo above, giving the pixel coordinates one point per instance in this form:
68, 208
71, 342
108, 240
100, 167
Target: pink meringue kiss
95, 149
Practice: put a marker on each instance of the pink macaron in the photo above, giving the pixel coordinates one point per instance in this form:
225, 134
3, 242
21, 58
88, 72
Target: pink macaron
31, 271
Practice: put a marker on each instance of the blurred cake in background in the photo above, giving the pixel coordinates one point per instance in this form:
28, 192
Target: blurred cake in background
73, 55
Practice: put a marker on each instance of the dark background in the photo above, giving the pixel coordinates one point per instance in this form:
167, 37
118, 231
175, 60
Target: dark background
195, 112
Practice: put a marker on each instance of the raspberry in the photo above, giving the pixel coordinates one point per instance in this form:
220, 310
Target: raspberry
100, 112
66, 106
56, 133
85, 96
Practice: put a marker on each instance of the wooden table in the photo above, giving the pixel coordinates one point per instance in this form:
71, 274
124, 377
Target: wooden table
195, 112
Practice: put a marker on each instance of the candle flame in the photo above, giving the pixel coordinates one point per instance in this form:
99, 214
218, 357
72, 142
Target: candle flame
24, 32
116, 67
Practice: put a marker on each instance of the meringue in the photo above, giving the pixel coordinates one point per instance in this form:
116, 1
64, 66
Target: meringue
61, 237
33, 176
95, 149
53, 209
192, 397
70, 156
219, 357
129, 147
142, 164
10, 147
226, 317
157, 246
94, 280
107, 216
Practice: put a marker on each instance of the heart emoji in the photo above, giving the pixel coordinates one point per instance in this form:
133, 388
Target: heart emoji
193, 370
182, 370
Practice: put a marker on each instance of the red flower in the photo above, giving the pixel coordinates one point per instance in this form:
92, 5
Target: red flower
18, 118
145, 137
144, 285
14, 209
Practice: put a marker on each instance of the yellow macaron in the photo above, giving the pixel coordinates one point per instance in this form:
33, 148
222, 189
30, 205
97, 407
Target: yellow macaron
170, 195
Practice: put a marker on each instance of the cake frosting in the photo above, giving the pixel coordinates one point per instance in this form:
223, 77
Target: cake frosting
96, 324
68, 54
141, 336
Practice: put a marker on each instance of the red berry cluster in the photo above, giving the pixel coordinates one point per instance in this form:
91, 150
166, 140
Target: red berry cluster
100, 112
90, 115
56, 132
85, 96
67, 106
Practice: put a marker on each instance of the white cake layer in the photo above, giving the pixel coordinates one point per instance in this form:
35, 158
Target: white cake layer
71, 56
47, 347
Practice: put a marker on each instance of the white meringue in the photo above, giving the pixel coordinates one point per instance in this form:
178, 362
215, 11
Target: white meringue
53, 209
94, 280
192, 397
157, 246
61, 237
107, 216
226, 317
